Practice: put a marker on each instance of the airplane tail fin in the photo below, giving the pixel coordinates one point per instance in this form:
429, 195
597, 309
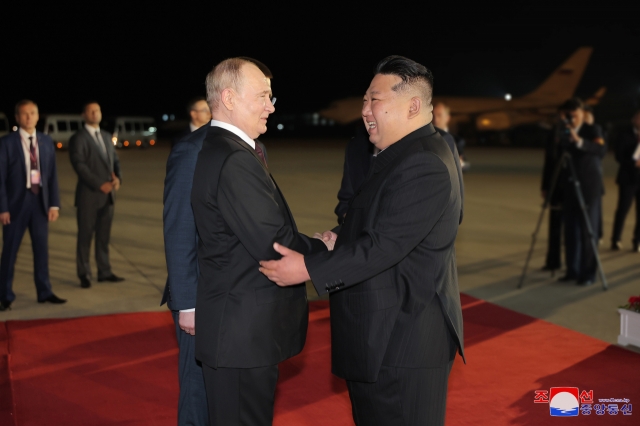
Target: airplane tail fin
562, 83
595, 99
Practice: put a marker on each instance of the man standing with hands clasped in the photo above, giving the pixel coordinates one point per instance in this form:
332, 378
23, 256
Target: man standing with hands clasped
29, 198
95, 161
396, 320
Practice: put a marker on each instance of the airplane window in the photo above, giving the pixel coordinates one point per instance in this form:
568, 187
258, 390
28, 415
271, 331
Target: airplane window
50, 128
62, 126
138, 126
128, 127
74, 126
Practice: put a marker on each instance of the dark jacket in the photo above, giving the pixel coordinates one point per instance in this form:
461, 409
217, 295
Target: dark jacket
392, 277
92, 167
13, 173
243, 319
625, 146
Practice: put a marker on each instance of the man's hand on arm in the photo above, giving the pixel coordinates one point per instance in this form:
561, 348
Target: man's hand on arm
187, 321
53, 214
106, 187
290, 270
5, 218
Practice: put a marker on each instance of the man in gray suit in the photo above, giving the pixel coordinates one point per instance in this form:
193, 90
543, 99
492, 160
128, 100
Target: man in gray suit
94, 159
396, 320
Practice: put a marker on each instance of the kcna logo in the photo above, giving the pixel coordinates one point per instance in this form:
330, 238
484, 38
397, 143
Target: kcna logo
570, 402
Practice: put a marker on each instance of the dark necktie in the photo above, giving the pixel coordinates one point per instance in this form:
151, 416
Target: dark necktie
35, 188
103, 149
261, 154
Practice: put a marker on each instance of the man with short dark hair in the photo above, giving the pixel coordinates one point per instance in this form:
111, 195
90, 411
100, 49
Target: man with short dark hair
628, 179
587, 147
29, 198
396, 320
96, 163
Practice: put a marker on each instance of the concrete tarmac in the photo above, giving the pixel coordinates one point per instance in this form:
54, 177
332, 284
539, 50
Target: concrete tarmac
502, 206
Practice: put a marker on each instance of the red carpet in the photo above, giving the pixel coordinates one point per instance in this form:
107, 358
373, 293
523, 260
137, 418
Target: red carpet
121, 370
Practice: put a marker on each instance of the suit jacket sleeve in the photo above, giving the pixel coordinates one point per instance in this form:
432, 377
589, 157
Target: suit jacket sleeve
116, 165
4, 172
593, 142
52, 180
247, 204
78, 153
180, 234
414, 198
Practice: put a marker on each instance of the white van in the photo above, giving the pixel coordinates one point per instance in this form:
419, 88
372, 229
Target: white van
4, 125
61, 127
131, 132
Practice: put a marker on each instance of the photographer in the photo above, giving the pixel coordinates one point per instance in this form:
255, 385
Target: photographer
586, 147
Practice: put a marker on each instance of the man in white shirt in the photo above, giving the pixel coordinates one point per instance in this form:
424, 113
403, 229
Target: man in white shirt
29, 198
94, 159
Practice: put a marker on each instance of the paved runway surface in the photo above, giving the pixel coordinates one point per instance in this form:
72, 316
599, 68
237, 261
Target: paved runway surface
502, 204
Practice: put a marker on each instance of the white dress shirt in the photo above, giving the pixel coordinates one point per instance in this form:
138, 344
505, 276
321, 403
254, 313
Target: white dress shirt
26, 148
233, 129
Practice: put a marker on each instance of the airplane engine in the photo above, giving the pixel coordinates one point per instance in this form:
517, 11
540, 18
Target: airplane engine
493, 121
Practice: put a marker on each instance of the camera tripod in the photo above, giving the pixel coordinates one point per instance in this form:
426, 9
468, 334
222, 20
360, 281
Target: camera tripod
566, 159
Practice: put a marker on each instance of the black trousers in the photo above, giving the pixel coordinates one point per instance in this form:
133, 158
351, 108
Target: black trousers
94, 219
192, 403
240, 396
626, 195
580, 257
554, 248
401, 397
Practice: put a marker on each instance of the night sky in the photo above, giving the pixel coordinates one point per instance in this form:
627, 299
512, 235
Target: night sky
151, 59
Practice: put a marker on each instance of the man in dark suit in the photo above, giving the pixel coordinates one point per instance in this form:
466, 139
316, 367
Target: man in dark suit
587, 148
246, 324
94, 159
396, 320
29, 198
181, 245
628, 156
199, 115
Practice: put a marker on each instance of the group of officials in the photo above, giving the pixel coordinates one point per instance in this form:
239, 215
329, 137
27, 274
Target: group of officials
30, 199
572, 185
237, 263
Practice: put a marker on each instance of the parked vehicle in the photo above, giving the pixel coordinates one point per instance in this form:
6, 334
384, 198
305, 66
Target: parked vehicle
60, 127
129, 132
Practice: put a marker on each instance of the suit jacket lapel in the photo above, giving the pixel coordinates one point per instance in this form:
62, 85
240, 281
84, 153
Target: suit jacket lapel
18, 143
94, 146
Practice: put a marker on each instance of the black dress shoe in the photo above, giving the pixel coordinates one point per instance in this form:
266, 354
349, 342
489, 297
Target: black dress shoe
53, 299
567, 278
585, 283
5, 305
113, 278
85, 283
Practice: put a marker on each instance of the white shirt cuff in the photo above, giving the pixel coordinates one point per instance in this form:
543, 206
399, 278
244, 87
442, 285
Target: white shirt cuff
580, 143
188, 310
54, 208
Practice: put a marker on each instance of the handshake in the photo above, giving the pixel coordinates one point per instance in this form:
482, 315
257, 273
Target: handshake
291, 269
328, 238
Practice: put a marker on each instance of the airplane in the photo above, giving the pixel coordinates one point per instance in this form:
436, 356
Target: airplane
497, 114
